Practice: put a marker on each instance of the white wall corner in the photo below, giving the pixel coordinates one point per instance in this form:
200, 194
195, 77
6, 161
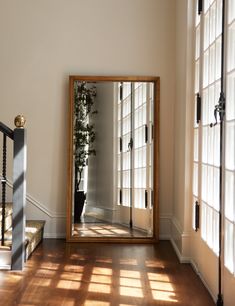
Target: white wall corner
165, 227
100, 212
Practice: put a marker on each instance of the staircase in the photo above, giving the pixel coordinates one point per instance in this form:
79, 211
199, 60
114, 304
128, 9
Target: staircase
19, 238
33, 236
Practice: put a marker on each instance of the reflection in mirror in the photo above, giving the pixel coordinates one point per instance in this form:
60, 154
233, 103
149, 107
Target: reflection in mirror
113, 159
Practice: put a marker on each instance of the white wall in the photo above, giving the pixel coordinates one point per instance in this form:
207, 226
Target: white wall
42, 43
101, 166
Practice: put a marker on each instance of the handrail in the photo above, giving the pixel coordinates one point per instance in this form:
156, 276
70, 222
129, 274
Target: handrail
6, 130
18, 135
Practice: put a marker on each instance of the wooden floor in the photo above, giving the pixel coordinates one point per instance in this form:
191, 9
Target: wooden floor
103, 275
105, 229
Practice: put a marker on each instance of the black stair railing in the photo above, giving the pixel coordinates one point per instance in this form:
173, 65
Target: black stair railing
7, 132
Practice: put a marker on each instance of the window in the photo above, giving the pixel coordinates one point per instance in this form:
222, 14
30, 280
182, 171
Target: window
135, 121
206, 168
207, 137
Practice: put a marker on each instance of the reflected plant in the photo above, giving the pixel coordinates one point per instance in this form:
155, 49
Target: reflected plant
84, 131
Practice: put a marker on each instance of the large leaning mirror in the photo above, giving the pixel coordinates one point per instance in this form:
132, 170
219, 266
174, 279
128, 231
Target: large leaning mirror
113, 156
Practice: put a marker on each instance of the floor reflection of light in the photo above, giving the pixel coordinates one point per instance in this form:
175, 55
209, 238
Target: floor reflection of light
68, 284
130, 282
103, 279
44, 282
73, 268
109, 227
118, 231
129, 273
164, 296
104, 260
96, 303
78, 257
50, 266
129, 261
95, 228
132, 292
71, 276
104, 232
45, 272
69, 302
154, 264
101, 288
158, 277
161, 286
102, 271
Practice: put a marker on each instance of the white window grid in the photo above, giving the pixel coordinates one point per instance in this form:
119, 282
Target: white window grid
206, 158
142, 152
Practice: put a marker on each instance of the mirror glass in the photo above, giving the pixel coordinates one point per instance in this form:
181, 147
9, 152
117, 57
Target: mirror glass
112, 160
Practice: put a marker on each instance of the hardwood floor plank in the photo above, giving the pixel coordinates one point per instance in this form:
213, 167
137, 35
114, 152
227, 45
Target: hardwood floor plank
105, 275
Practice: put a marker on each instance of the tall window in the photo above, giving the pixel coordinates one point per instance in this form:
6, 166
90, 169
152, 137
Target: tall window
230, 140
206, 170
206, 134
135, 120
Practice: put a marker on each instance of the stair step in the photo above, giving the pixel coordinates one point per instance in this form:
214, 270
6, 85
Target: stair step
33, 236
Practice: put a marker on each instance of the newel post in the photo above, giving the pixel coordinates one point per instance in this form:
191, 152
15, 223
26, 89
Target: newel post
19, 195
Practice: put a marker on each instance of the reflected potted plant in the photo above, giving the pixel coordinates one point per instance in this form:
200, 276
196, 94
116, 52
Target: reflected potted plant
84, 137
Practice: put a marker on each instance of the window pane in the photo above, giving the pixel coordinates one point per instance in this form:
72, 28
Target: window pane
230, 100
204, 183
229, 195
231, 47
229, 149
216, 232
231, 11
195, 179
209, 236
229, 251
195, 144
204, 221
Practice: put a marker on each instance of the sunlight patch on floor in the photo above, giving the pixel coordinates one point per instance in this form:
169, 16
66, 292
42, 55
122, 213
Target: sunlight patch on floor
153, 264
102, 279
131, 292
130, 282
49, 265
104, 260
129, 261
102, 288
96, 303
164, 296
73, 268
71, 276
102, 271
45, 272
130, 274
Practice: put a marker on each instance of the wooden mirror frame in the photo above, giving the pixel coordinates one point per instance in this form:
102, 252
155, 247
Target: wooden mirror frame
155, 237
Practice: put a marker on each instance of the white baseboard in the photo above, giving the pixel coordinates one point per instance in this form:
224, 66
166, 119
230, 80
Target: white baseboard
195, 268
182, 259
189, 260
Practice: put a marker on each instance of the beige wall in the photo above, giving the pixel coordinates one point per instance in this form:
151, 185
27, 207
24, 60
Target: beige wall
101, 166
42, 43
